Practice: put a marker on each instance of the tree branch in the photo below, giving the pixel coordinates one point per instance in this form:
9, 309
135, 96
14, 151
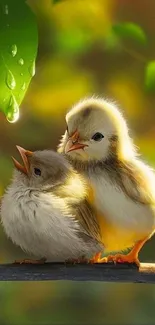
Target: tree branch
79, 272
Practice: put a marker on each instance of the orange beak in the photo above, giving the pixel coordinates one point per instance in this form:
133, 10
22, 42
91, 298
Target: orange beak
73, 143
24, 155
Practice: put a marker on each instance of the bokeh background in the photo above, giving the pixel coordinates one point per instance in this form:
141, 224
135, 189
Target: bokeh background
83, 50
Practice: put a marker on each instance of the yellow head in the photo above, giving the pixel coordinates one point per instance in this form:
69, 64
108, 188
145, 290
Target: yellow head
96, 130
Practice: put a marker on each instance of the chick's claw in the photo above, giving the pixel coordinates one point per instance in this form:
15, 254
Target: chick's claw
71, 261
121, 258
29, 261
80, 260
95, 259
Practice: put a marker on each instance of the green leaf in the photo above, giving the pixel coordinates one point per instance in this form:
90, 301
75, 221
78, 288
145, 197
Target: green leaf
150, 75
130, 30
18, 49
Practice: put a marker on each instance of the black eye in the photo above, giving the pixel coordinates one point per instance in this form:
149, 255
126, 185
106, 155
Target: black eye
98, 136
37, 171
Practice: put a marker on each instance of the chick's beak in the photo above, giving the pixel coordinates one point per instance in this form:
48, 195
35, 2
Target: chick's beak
24, 155
73, 143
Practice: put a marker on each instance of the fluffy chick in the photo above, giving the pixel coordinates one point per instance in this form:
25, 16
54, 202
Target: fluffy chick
98, 145
45, 209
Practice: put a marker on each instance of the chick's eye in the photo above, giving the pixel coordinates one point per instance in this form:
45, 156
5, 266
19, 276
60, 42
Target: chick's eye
98, 136
37, 171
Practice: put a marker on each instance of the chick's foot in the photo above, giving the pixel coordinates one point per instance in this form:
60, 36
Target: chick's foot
121, 258
29, 261
80, 260
96, 258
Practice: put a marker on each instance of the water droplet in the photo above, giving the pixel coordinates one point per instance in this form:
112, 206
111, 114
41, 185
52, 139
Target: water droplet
21, 74
14, 50
32, 69
7, 25
13, 110
23, 86
6, 9
21, 61
10, 80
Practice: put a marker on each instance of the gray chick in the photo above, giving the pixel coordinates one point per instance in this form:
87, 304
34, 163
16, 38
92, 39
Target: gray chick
45, 210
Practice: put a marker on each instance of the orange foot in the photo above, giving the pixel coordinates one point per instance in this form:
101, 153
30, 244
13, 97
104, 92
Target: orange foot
131, 257
121, 258
96, 259
29, 261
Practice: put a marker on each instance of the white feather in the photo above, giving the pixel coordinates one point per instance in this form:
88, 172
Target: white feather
41, 224
130, 220
120, 209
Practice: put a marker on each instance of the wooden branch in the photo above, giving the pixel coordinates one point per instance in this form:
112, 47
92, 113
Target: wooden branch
79, 272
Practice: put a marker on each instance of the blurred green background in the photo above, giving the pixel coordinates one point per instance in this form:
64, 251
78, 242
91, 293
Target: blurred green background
86, 47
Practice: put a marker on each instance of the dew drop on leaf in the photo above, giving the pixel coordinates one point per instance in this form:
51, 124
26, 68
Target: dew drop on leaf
21, 61
14, 50
23, 86
12, 114
6, 9
21, 74
32, 69
10, 80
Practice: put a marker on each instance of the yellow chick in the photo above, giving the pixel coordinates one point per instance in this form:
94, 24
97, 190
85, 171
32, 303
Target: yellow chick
122, 187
